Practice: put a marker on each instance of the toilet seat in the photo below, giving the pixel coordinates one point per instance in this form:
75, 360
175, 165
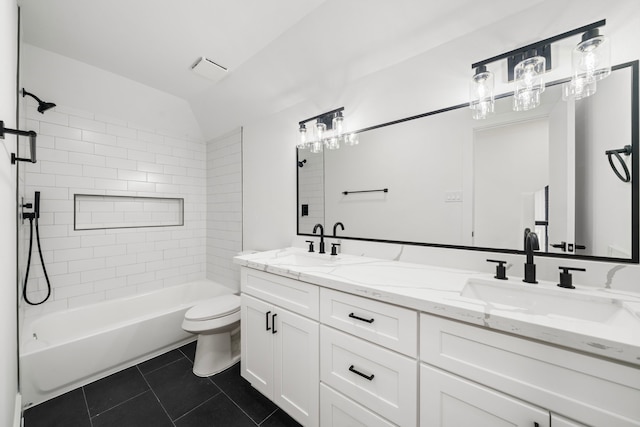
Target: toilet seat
214, 308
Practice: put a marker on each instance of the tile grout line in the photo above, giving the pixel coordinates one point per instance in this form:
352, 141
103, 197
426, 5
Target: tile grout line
117, 405
234, 402
268, 416
193, 409
156, 396
86, 405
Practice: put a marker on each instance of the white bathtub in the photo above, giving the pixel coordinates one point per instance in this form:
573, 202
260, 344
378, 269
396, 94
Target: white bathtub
65, 350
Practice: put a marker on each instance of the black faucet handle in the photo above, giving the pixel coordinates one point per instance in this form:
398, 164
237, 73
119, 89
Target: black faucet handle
310, 242
334, 250
501, 271
566, 280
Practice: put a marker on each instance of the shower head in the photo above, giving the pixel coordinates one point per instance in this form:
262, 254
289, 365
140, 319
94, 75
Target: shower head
42, 106
301, 163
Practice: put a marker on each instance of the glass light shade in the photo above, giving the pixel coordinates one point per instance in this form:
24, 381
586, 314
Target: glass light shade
592, 57
338, 124
302, 143
578, 88
529, 83
320, 130
481, 95
351, 139
333, 143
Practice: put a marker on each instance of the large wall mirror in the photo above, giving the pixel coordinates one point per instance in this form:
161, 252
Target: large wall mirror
461, 183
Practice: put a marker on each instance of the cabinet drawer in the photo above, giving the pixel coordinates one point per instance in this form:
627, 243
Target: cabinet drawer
380, 379
586, 389
336, 410
299, 297
385, 324
451, 401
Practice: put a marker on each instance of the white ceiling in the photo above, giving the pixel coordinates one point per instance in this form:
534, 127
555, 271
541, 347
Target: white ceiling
278, 51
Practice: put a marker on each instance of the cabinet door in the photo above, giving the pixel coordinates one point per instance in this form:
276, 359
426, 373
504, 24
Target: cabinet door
447, 400
257, 344
296, 357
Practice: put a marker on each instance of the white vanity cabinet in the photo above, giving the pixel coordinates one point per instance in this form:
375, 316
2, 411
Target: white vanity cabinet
368, 362
280, 342
464, 366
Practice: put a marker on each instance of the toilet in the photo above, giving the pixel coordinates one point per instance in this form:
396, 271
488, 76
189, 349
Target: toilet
217, 323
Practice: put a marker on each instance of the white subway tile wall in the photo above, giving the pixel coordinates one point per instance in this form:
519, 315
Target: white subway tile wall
224, 208
84, 153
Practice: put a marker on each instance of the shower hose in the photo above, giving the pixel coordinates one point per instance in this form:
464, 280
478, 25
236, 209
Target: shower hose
26, 276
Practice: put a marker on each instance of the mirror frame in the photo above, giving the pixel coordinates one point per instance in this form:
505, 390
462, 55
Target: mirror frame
635, 180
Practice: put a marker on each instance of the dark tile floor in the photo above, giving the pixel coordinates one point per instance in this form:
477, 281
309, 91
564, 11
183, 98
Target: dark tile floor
162, 392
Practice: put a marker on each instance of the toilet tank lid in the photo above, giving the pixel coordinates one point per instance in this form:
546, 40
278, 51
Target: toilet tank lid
214, 307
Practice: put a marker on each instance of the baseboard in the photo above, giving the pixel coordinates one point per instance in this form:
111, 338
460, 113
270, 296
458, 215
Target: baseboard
17, 411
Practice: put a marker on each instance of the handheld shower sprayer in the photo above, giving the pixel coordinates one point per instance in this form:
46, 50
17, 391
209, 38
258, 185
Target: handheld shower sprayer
42, 105
36, 204
33, 217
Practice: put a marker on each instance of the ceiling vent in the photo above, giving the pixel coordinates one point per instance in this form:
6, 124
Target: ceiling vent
209, 69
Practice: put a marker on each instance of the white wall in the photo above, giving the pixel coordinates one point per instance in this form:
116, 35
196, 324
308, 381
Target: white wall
433, 80
224, 208
8, 288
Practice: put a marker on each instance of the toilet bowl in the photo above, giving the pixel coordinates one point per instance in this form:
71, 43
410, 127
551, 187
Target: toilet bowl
215, 321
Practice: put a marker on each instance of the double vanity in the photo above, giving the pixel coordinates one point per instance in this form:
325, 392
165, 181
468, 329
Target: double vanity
349, 340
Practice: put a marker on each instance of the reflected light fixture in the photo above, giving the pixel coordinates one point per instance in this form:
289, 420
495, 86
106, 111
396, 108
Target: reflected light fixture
329, 132
527, 65
481, 93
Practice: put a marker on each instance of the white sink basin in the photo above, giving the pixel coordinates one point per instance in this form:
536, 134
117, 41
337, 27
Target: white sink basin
549, 301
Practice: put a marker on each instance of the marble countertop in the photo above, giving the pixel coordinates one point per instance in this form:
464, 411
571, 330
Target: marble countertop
598, 321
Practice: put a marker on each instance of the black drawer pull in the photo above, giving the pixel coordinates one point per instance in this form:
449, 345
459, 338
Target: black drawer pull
369, 377
353, 316
266, 318
273, 323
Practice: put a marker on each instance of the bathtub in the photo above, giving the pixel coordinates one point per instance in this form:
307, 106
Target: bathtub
65, 350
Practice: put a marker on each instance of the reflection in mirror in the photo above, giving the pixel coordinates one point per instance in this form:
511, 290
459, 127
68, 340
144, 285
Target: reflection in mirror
457, 182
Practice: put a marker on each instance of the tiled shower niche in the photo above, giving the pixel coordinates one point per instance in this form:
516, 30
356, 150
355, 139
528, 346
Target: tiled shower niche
98, 212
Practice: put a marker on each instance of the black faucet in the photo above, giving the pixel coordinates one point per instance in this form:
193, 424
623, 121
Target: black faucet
530, 244
321, 251
335, 226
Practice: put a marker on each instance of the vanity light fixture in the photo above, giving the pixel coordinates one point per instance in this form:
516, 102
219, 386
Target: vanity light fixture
526, 66
481, 93
329, 132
